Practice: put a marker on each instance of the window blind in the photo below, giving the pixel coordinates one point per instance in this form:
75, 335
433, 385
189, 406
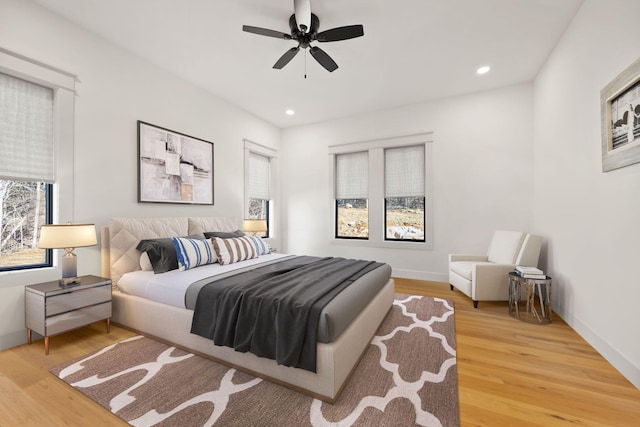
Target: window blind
259, 177
352, 175
404, 171
26, 130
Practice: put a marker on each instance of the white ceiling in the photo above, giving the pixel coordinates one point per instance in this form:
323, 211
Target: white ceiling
412, 50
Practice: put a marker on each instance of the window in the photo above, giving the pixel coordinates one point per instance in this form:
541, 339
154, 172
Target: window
381, 192
36, 139
259, 162
26, 172
404, 215
259, 178
352, 202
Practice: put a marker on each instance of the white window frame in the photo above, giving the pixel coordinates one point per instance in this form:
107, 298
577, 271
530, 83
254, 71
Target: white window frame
272, 154
377, 193
64, 92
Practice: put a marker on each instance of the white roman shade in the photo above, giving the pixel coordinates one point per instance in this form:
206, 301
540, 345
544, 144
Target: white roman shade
26, 131
404, 171
259, 177
352, 175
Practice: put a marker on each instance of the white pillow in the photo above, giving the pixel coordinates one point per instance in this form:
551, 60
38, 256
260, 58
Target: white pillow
261, 246
145, 262
193, 252
234, 250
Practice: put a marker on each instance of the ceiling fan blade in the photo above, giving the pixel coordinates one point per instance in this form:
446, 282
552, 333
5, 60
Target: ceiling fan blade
341, 33
302, 11
284, 59
323, 59
266, 32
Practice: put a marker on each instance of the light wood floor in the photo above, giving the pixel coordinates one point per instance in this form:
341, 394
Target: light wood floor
510, 373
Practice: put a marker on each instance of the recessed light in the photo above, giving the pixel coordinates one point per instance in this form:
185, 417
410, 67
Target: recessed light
483, 70
290, 112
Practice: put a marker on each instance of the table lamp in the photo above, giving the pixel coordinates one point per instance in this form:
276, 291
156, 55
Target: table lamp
68, 237
254, 226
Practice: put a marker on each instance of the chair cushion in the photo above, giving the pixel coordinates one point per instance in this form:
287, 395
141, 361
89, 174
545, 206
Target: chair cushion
464, 268
505, 246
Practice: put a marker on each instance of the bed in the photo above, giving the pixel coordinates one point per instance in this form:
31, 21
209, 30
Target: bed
172, 323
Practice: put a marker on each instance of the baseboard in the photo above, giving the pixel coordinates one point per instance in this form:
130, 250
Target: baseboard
625, 366
14, 339
420, 275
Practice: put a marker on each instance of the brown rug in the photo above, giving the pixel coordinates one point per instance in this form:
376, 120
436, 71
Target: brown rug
406, 377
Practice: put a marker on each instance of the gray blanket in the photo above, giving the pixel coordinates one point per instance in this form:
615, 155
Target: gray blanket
273, 311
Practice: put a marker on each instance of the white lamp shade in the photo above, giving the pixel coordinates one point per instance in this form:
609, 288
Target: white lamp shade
67, 236
254, 225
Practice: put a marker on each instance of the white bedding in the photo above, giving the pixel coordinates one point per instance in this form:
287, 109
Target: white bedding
170, 287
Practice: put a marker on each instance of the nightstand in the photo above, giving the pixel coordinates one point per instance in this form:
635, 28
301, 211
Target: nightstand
51, 309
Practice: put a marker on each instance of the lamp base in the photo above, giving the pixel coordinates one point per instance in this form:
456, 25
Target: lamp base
67, 282
69, 267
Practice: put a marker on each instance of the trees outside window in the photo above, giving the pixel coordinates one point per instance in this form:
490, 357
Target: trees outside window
352, 218
404, 218
24, 207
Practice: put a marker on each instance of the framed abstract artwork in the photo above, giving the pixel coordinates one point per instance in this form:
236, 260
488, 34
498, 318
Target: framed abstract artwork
173, 167
620, 115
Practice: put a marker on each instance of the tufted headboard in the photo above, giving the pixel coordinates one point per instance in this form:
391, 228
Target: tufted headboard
120, 238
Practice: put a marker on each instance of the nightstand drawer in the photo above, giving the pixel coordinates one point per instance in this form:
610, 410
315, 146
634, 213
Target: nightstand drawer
77, 299
78, 318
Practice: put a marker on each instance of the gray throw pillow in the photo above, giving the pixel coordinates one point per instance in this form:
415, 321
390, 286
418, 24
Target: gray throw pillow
224, 234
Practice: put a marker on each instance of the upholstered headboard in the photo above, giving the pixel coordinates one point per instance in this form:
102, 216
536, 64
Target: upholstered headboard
120, 238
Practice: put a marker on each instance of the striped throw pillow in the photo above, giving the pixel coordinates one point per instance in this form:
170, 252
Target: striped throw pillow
234, 250
193, 252
260, 245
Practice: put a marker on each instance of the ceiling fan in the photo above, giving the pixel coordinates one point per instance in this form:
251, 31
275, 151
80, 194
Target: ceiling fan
304, 29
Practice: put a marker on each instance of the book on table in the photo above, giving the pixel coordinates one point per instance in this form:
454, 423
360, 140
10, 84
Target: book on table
532, 276
530, 272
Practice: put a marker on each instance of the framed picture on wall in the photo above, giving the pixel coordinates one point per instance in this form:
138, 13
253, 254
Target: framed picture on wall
173, 167
620, 111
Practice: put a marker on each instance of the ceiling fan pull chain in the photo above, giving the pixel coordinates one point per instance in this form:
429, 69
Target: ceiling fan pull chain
305, 63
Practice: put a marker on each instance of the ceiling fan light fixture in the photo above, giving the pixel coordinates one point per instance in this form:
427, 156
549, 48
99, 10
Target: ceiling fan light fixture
302, 10
304, 30
483, 70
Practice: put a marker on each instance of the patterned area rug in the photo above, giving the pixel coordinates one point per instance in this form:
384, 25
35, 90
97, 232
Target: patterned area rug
406, 377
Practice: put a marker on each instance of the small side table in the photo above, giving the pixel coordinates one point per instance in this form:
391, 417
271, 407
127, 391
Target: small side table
51, 309
530, 299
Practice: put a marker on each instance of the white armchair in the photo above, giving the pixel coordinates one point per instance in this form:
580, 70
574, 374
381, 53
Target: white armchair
486, 278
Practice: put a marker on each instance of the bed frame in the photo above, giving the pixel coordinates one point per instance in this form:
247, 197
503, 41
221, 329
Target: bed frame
335, 360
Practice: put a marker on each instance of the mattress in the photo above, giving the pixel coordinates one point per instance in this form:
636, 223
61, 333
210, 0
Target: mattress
172, 288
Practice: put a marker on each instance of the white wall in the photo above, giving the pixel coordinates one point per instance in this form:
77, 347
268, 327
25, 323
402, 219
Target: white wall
116, 89
590, 218
482, 171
